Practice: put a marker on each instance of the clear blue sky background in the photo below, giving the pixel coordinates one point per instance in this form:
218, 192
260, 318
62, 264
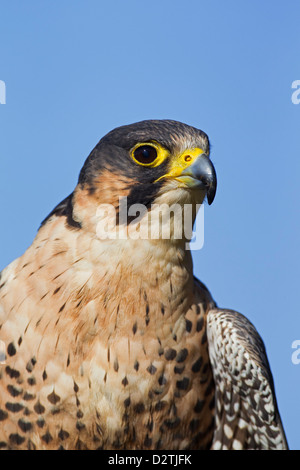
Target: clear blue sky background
76, 69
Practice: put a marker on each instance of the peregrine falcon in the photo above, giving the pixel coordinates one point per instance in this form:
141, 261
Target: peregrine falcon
111, 342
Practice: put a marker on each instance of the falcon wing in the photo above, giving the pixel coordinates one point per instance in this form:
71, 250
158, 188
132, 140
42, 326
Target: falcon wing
247, 416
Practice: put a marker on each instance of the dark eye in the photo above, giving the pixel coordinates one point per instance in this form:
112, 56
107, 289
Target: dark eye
145, 154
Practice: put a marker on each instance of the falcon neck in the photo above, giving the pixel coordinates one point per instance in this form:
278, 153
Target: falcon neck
109, 289
153, 278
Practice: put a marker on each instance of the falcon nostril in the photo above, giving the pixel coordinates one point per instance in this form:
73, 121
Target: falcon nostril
187, 158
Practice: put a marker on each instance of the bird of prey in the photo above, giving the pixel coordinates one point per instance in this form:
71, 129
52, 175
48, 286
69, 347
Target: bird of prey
111, 342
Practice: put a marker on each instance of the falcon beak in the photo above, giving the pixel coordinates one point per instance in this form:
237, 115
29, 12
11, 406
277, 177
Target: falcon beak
201, 174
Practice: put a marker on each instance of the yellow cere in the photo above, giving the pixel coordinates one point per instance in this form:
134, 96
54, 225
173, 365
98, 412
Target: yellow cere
181, 162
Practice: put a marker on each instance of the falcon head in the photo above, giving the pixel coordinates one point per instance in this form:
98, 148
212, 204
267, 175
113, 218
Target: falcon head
153, 161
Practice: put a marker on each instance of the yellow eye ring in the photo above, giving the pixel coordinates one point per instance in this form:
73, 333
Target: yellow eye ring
148, 154
145, 154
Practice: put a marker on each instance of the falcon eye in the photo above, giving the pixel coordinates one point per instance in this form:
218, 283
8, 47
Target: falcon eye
150, 154
145, 154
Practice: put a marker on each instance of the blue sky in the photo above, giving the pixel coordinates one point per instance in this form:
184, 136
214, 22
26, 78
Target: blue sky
76, 69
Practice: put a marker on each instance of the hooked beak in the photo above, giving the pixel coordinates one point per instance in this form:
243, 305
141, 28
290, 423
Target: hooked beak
201, 174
